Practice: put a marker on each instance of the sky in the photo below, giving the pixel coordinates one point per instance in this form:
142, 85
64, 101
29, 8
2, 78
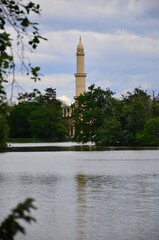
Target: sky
121, 43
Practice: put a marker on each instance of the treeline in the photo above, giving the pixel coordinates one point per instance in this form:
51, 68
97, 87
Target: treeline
132, 120
37, 116
101, 118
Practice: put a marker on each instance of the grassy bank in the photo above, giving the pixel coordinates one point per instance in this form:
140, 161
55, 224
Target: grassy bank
35, 140
24, 140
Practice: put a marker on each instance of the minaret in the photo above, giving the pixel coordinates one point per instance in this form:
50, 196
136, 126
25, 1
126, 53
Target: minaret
80, 75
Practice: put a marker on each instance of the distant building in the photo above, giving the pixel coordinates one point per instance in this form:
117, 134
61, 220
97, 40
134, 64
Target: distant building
80, 86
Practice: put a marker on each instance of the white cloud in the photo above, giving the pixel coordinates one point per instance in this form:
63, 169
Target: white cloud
109, 57
72, 8
120, 37
103, 84
59, 80
139, 16
65, 42
65, 100
64, 84
41, 57
129, 82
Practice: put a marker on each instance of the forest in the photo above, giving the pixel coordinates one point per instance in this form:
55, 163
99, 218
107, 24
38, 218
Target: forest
98, 116
131, 120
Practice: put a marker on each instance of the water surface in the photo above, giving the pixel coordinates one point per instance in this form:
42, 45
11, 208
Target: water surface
84, 194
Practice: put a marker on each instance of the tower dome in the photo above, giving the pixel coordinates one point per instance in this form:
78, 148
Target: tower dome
80, 45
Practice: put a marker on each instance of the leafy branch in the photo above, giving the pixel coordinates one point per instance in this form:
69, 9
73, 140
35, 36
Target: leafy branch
10, 226
15, 14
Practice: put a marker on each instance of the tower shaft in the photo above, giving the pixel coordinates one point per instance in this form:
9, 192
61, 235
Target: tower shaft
80, 75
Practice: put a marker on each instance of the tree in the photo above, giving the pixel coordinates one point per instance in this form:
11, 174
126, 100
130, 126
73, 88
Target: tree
110, 132
11, 226
38, 116
88, 113
19, 120
49, 96
46, 120
135, 113
150, 135
4, 129
15, 14
154, 105
105, 120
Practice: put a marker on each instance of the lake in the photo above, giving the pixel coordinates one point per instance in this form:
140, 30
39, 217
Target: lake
83, 192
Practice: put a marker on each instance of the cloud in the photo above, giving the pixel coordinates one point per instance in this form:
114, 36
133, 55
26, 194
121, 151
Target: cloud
128, 82
106, 53
103, 84
103, 16
121, 41
113, 50
63, 83
65, 42
91, 8
110, 58
66, 100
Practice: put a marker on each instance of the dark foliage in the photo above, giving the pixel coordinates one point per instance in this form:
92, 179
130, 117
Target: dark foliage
11, 225
38, 116
105, 120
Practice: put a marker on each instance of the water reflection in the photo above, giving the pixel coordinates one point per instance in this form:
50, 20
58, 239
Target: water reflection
81, 207
116, 206
47, 180
84, 195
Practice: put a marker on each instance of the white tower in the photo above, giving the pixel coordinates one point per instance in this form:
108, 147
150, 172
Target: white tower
80, 75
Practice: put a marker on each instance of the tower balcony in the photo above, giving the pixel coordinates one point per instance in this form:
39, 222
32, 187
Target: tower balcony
80, 53
80, 74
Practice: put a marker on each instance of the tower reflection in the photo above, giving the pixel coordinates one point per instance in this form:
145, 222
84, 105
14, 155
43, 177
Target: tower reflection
81, 206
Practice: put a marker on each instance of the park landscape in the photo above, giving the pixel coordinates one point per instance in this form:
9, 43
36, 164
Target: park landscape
99, 180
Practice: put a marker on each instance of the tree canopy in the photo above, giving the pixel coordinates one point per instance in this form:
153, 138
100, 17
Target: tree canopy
38, 116
101, 118
87, 113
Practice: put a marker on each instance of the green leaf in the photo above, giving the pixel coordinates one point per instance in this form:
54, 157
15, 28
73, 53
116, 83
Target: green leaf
25, 22
6, 65
36, 40
34, 46
37, 69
